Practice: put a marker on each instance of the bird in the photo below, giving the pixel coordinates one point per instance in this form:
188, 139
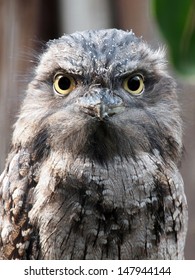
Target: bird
93, 168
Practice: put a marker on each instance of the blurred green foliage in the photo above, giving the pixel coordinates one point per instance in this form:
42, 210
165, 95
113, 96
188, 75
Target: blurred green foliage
176, 20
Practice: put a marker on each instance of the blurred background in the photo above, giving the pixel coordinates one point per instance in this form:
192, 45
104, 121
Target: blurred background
25, 26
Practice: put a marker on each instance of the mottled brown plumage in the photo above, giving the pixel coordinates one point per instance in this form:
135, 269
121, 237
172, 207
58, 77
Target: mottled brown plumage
93, 168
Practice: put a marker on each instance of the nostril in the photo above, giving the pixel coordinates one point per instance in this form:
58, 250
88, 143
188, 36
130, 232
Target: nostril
112, 99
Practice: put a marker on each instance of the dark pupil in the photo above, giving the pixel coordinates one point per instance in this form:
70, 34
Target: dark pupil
64, 83
134, 83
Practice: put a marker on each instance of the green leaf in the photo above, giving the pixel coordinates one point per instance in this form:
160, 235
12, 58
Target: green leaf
176, 20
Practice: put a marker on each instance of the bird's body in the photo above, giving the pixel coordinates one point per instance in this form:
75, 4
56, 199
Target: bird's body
92, 173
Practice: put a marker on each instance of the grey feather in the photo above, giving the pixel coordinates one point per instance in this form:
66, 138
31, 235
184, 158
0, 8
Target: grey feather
93, 174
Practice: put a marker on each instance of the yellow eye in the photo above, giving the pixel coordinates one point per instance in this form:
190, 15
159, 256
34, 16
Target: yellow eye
134, 84
63, 84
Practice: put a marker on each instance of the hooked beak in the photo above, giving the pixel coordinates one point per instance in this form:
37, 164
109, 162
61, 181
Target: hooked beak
102, 105
103, 111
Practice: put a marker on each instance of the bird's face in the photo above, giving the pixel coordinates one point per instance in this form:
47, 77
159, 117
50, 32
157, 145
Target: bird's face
101, 94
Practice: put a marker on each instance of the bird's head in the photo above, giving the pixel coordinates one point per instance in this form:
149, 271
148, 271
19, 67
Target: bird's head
101, 94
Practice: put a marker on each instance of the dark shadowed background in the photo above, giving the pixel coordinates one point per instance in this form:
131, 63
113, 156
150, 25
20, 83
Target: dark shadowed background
26, 25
